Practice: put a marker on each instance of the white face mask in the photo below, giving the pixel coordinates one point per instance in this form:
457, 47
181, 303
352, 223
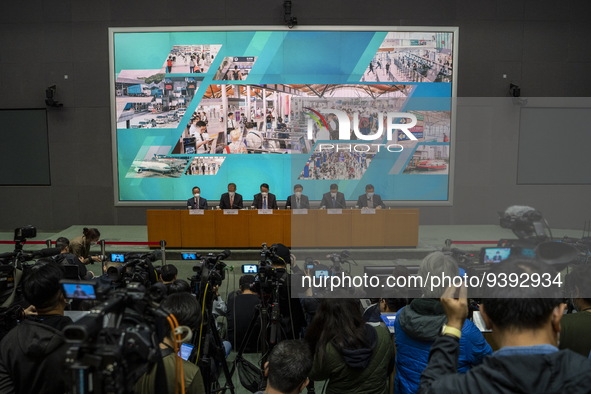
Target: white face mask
333, 194
298, 194
264, 193
232, 193
196, 195
369, 195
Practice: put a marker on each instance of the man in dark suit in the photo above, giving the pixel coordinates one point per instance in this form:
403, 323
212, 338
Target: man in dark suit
197, 202
370, 199
231, 200
264, 199
334, 198
297, 200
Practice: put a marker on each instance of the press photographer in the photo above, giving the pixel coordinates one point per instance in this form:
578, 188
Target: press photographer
118, 341
32, 354
14, 266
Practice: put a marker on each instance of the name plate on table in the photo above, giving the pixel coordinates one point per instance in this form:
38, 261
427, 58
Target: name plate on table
265, 212
231, 211
302, 211
334, 211
196, 212
368, 211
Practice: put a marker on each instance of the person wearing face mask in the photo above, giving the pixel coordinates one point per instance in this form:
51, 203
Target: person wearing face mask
80, 246
297, 200
231, 199
525, 324
575, 327
196, 202
333, 199
264, 199
370, 199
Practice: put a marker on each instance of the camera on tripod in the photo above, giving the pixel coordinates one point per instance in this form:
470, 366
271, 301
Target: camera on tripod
338, 259
137, 268
117, 342
269, 277
211, 270
22, 233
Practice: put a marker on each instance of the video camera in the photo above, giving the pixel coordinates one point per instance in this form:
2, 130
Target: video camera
269, 277
211, 270
338, 259
527, 224
137, 268
534, 240
117, 342
22, 233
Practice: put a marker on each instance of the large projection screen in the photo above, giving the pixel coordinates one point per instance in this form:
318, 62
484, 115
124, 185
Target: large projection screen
311, 106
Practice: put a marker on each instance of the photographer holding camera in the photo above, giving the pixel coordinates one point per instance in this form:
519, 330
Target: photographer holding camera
33, 353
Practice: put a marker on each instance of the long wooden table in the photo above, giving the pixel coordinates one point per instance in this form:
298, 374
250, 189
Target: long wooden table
317, 228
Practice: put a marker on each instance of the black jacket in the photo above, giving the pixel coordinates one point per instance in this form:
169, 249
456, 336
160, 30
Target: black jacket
327, 201
225, 201
377, 201
560, 372
192, 203
32, 357
271, 201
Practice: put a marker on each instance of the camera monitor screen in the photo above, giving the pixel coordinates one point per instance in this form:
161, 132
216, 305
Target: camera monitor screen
495, 255
117, 257
79, 290
250, 269
320, 273
189, 256
350, 105
185, 351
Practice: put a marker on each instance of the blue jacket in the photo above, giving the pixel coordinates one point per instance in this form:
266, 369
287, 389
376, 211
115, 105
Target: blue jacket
416, 328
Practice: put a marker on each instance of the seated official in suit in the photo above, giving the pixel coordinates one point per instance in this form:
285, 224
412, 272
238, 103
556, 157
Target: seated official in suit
231, 199
297, 200
197, 202
264, 199
370, 199
334, 198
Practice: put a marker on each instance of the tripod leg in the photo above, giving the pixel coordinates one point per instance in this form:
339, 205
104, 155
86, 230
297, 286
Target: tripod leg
219, 357
247, 335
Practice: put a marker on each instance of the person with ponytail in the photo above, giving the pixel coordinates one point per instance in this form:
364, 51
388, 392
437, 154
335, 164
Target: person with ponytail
80, 246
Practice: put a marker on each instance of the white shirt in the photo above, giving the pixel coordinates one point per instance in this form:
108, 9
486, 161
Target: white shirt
200, 137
